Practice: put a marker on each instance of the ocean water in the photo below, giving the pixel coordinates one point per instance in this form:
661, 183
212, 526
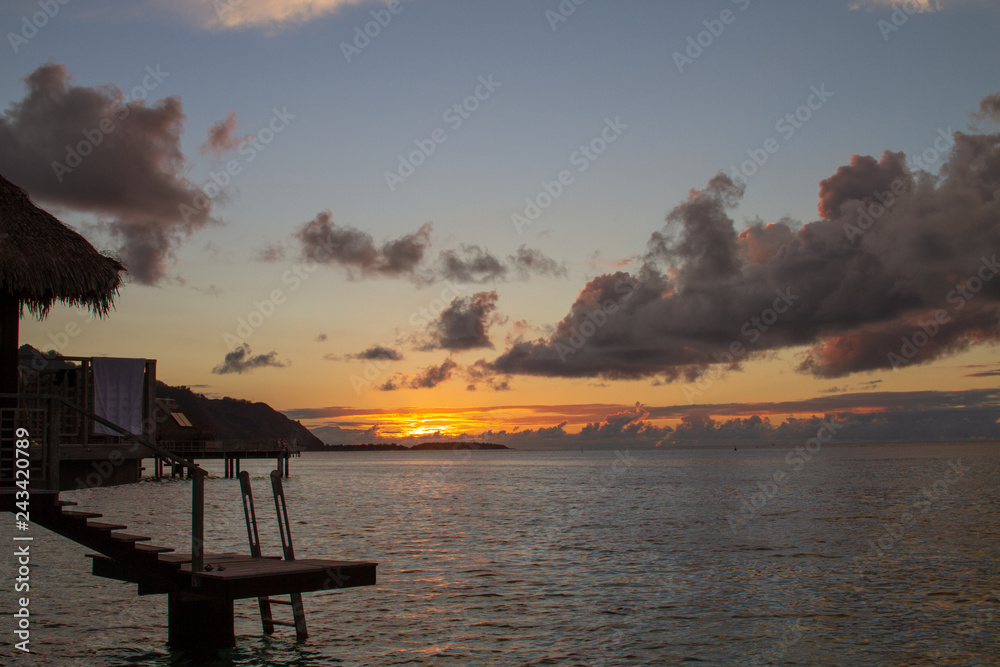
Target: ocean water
856, 555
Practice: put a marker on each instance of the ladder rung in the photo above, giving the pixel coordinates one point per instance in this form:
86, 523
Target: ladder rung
274, 601
284, 623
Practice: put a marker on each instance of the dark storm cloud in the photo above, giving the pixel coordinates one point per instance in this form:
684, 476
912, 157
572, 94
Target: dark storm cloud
95, 150
900, 269
465, 323
859, 180
428, 378
242, 360
221, 137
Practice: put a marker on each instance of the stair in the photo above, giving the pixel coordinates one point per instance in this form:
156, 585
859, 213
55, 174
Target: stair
117, 549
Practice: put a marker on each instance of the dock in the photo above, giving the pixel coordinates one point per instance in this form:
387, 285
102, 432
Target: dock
200, 585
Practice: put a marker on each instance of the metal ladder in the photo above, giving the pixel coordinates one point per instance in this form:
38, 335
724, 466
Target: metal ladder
288, 552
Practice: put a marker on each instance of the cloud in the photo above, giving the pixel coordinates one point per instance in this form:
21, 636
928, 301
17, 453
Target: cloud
910, 6
465, 324
882, 416
428, 378
480, 372
472, 264
324, 242
530, 262
271, 252
321, 240
899, 270
994, 372
241, 360
221, 139
989, 108
260, 14
373, 353
124, 164
321, 338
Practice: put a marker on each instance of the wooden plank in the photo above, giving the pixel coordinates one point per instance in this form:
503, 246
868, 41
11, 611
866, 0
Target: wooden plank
152, 549
125, 537
180, 558
74, 514
246, 577
97, 525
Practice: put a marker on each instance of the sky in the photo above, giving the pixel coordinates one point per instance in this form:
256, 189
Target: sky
546, 224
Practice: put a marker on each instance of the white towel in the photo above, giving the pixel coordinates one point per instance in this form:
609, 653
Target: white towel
118, 393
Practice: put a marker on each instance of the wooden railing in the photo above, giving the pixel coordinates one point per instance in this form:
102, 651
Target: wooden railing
39, 414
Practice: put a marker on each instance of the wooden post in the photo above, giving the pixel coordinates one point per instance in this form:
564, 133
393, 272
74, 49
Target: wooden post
198, 526
52, 445
149, 391
199, 625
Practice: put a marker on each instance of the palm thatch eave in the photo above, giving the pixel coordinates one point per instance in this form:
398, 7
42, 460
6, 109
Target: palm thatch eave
43, 261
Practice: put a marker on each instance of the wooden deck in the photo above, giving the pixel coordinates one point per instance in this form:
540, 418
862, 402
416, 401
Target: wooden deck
238, 576
200, 605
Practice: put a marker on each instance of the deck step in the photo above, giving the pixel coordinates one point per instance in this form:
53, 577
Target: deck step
125, 537
97, 525
74, 514
152, 549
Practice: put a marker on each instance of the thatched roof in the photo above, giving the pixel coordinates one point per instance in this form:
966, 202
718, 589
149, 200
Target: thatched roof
43, 261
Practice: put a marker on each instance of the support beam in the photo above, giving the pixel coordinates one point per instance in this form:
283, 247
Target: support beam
200, 626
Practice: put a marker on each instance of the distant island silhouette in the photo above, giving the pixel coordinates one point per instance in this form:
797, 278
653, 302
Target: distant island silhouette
387, 447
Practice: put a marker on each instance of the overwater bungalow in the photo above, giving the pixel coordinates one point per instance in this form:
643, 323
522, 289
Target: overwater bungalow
73, 422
